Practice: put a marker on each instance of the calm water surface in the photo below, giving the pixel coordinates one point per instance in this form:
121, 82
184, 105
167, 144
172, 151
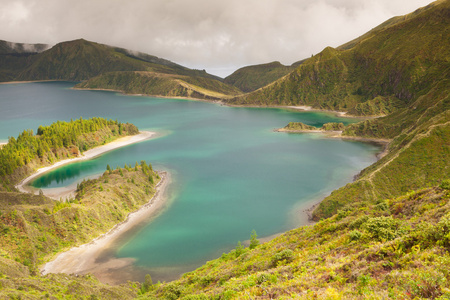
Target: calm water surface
231, 173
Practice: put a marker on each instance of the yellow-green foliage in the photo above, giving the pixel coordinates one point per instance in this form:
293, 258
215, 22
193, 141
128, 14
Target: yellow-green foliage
35, 228
378, 106
333, 126
299, 126
393, 249
418, 159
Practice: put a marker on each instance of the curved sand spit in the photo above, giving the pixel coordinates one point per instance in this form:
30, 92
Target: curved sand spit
69, 191
90, 258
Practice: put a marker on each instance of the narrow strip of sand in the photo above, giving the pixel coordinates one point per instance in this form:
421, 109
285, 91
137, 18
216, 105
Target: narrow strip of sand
68, 191
89, 258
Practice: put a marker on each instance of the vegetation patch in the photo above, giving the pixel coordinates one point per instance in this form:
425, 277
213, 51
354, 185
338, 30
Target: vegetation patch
21, 156
367, 251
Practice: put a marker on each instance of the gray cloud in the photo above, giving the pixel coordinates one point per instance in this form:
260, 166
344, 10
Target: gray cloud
219, 35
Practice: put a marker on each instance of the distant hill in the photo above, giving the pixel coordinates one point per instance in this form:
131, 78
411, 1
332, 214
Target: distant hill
160, 84
251, 78
21, 48
82, 60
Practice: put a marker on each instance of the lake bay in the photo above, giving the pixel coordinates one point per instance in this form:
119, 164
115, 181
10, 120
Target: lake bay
231, 173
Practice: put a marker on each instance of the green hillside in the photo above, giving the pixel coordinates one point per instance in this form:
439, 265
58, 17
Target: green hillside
111, 68
82, 60
251, 78
159, 84
393, 249
393, 65
35, 228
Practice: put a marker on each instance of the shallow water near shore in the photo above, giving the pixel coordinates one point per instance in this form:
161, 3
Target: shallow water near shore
231, 173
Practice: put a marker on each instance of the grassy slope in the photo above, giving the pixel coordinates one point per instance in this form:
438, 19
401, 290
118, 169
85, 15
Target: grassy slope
301, 127
80, 59
251, 78
396, 249
35, 228
158, 84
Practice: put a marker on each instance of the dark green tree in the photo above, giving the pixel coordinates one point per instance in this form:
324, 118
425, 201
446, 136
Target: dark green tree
147, 285
254, 242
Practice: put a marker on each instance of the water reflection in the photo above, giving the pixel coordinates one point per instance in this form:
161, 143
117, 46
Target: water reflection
62, 174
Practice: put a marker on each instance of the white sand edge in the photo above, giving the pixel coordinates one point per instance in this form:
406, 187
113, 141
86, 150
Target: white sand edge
309, 108
65, 192
84, 259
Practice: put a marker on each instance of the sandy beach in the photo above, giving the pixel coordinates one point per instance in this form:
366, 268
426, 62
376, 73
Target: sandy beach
336, 112
90, 258
67, 192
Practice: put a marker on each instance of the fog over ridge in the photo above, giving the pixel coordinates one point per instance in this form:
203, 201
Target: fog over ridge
217, 35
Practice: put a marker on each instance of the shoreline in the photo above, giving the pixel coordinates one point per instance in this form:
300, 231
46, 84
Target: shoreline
338, 113
220, 101
90, 258
304, 108
31, 81
67, 192
217, 101
338, 135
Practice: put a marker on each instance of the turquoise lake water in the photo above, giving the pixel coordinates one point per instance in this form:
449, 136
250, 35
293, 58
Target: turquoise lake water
231, 172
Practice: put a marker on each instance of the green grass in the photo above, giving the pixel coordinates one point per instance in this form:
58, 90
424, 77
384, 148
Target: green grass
158, 84
251, 78
392, 249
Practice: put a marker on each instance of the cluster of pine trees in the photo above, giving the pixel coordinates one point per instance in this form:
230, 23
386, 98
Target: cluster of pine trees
79, 133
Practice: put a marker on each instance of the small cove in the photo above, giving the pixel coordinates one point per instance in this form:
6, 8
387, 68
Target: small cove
231, 173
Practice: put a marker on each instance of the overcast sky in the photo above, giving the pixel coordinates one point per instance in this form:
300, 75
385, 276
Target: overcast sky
217, 35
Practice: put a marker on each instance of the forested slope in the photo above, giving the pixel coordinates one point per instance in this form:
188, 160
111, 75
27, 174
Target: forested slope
29, 151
